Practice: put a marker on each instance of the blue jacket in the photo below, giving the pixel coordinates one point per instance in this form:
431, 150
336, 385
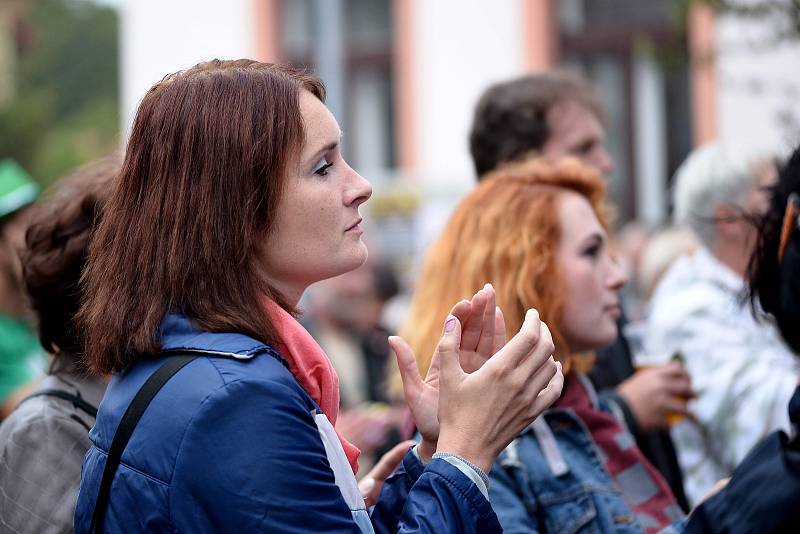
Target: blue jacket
230, 444
552, 478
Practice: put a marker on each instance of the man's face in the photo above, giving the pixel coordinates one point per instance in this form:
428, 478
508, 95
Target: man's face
575, 131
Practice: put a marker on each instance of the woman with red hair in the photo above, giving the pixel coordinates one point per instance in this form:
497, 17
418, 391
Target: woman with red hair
539, 233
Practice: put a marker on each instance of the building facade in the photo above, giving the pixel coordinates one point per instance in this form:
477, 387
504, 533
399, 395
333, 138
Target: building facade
404, 76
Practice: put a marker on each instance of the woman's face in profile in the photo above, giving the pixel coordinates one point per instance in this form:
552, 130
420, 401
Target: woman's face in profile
591, 277
317, 233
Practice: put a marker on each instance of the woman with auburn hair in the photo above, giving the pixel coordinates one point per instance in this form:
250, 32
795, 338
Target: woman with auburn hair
219, 417
539, 233
44, 440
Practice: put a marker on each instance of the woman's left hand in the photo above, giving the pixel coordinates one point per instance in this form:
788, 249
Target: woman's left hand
483, 334
483, 329
370, 486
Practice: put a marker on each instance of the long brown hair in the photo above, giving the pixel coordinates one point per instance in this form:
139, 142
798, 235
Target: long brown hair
507, 232
184, 225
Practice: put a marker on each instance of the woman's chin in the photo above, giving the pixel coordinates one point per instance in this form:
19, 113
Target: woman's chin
607, 339
352, 261
360, 256
601, 339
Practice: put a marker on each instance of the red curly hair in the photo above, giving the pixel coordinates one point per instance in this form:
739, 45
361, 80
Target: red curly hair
507, 232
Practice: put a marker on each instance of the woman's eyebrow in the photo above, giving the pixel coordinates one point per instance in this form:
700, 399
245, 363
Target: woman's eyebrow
596, 236
330, 146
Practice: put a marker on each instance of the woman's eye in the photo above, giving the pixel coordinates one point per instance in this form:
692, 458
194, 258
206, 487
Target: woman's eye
322, 166
592, 251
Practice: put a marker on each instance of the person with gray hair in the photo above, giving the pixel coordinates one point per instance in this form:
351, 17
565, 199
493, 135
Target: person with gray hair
743, 373
716, 186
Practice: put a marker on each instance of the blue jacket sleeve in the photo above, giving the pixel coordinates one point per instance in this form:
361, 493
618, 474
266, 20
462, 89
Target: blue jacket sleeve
386, 513
437, 499
252, 461
445, 500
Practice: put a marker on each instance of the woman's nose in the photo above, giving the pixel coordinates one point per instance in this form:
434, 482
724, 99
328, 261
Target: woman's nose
358, 189
616, 275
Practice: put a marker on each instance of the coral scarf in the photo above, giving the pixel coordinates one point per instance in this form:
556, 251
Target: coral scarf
311, 367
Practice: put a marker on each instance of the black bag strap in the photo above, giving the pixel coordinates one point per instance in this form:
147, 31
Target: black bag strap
123, 434
77, 401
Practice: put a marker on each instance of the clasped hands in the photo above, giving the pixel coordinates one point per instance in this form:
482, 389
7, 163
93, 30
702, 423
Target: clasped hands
480, 391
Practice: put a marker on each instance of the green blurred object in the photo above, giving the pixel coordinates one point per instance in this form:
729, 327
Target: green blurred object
17, 188
21, 357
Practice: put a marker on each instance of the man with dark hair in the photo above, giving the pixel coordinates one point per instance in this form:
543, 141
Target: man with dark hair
556, 115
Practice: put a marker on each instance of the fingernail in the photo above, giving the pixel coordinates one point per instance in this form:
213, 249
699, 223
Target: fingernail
559, 365
488, 285
449, 324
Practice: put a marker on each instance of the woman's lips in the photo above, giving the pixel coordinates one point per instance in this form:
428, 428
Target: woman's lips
355, 227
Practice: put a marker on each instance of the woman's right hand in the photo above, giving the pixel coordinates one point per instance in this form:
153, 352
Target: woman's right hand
480, 413
483, 335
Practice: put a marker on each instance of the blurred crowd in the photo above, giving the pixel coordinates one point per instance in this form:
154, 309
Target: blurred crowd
675, 372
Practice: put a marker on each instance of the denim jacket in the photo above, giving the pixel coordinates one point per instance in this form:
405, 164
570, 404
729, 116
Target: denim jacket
553, 479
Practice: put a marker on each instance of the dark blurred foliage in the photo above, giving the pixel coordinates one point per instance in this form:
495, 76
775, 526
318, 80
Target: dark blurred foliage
65, 110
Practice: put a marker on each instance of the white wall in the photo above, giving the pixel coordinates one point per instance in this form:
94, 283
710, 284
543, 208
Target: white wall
649, 140
461, 47
759, 86
160, 37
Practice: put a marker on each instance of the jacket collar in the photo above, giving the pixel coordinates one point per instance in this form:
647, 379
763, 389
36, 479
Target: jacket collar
179, 333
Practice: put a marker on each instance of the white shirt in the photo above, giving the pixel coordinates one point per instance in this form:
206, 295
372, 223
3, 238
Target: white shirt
742, 371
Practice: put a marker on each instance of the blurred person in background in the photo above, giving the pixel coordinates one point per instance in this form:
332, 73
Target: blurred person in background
629, 244
742, 371
663, 247
43, 441
556, 115
21, 358
345, 315
539, 233
345, 319
234, 198
763, 495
